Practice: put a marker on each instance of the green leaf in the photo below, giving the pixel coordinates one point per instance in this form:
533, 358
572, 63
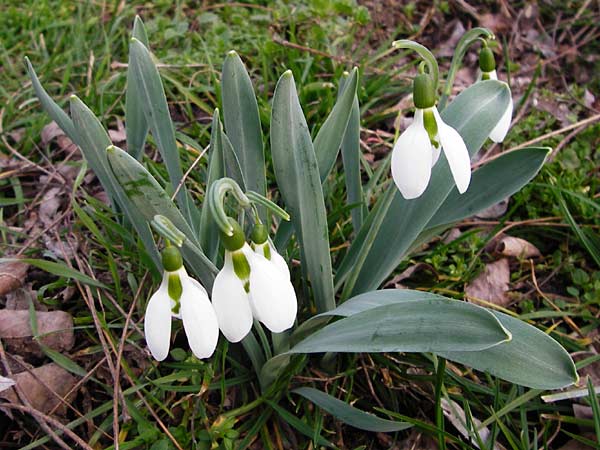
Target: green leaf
156, 110
242, 122
588, 238
490, 184
93, 141
329, 138
63, 361
531, 359
428, 325
349, 414
300, 425
351, 161
328, 141
54, 111
151, 199
209, 231
474, 113
298, 178
58, 269
135, 121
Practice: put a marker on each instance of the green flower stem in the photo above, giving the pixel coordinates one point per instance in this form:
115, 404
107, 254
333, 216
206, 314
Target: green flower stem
216, 197
463, 45
258, 199
427, 56
167, 230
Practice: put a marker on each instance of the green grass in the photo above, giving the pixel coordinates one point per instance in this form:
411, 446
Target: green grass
80, 48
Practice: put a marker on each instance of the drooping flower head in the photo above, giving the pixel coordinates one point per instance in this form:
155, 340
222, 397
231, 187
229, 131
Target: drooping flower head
487, 65
418, 148
253, 284
184, 298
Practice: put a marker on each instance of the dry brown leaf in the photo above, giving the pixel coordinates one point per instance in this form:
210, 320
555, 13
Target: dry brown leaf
51, 132
517, 248
576, 445
49, 206
494, 211
17, 335
40, 386
12, 276
119, 135
492, 284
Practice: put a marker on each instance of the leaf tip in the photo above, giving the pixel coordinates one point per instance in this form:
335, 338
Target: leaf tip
232, 54
287, 74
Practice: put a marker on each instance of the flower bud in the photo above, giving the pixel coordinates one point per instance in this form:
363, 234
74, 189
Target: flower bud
487, 62
423, 91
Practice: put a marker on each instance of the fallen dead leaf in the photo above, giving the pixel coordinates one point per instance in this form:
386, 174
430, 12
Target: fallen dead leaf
119, 135
49, 206
492, 284
12, 276
51, 132
408, 273
40, 386
494, 211
55, 327
457, 417
517, 248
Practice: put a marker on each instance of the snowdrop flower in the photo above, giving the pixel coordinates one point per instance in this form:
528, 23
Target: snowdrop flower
419, 146
487, 65
182, 297
273, 298
252, 285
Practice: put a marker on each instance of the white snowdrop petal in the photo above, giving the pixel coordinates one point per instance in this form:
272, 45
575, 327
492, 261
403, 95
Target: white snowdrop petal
231, 304
456, 153
199, 319
279, 262
412, 158
157, 323
272, 295
501, 129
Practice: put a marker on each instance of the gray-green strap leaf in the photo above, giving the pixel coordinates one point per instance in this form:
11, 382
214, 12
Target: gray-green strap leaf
433, 325
135, 121
151, 200
297, 175
156, 110
242, 122
93, 141
490, 184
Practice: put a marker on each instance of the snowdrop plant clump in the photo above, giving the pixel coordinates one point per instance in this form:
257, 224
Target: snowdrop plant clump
235, 239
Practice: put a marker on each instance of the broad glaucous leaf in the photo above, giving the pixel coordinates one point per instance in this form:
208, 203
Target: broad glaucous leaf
242, 123
298, 179
151, 200
135, 120
156, 110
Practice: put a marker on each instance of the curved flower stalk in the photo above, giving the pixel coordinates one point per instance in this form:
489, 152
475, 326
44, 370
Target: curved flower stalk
184, 298
487, 65
418, 148
252, 285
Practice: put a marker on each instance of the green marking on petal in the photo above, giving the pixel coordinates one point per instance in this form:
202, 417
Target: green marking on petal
175, 290
430, 126
241, 267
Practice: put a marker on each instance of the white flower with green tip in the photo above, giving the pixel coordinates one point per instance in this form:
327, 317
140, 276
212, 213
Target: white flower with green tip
252, 285
182, 297
418, 148
487, 66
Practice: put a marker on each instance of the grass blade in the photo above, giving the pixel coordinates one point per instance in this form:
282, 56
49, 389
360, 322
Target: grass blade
349, 414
